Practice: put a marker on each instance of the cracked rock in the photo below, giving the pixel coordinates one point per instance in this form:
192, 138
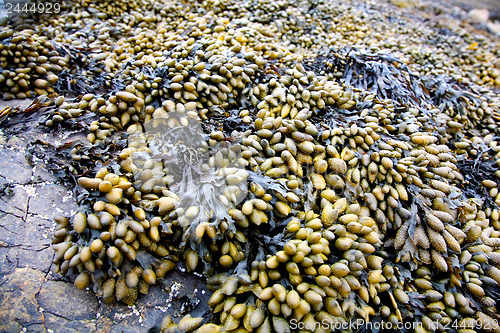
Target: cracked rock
62, 324
65, 300
18, 305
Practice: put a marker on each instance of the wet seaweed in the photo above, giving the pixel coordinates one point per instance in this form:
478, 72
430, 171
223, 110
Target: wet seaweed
474, 171
382, 74
21, 121
58, 160
388, 78
75, 83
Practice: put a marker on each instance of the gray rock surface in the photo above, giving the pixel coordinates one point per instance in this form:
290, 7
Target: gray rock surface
32, 297
479, 15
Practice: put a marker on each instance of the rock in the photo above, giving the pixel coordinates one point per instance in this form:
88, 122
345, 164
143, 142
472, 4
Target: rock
15, 199
9, 234
14, 168
142, 320
60, 324
39, 259
48, 200
18, 304
65, 300
494, 27
478, 15
27, 242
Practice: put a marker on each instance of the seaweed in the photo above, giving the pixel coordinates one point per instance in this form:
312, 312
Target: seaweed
75, 83
382, 74
410, 244
474, 171
233, 122
7, 189
268, 183
446, 93
20, 121
388, 78
58, 160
